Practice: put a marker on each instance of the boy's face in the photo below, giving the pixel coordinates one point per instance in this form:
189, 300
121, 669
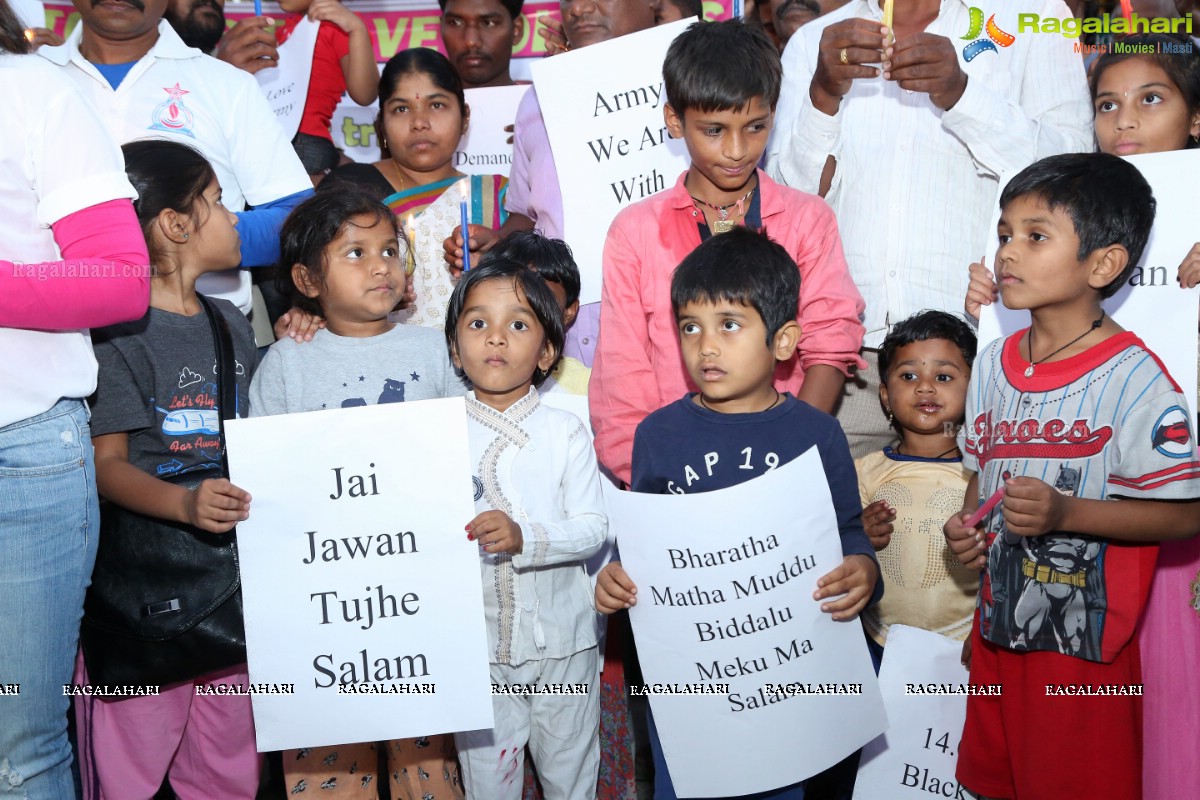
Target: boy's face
724, 146
479, 36
1038, 266
569, 311
726, 353
926, 387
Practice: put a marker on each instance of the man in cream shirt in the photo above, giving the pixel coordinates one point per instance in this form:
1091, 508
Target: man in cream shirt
918, 155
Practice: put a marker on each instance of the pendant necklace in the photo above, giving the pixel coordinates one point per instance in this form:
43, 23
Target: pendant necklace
723, 224
1029, 370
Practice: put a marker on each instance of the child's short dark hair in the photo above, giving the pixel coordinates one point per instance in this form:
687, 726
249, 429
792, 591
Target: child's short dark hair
550, 258
541, 300
310, 228
744, 267
923, 326
1106, 197
718, 66
1174, 54
513, 7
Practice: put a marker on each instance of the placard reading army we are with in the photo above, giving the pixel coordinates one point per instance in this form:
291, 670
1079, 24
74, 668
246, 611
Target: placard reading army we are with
361, 589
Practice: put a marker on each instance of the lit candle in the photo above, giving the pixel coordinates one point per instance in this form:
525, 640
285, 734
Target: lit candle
29, 35
464, 190
410, 233
887, 17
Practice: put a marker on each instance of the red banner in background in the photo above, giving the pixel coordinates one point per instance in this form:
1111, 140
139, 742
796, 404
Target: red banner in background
394, 26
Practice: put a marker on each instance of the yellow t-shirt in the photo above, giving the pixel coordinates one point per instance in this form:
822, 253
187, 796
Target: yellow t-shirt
570, 376
924, 584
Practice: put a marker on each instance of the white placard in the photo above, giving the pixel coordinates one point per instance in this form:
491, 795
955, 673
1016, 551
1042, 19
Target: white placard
486, 149
605, 123
1152, 304
357, 514
923, 685
725, 583
286, 85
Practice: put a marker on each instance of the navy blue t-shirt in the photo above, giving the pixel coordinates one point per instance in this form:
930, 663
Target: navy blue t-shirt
684, 448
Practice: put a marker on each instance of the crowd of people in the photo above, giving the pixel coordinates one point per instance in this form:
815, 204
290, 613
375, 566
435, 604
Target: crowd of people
171, 260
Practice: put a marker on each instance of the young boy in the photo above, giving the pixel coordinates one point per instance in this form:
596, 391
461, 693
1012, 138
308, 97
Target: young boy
722, 82
1063, 417
734, 299
553, 260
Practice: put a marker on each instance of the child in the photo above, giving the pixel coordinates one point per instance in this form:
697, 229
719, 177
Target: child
1150, 103
537, 491
422, 115
722, 81
148, 370
340, 259
552, 259
734, 299
909, 490
1062, 417
343, 61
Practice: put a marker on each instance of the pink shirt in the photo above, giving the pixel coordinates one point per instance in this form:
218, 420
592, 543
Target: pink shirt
639, 366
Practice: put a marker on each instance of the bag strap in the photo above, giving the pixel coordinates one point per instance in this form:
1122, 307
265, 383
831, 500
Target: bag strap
226, 370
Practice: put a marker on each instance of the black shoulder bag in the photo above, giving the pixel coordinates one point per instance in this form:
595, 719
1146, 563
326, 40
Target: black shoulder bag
165, 604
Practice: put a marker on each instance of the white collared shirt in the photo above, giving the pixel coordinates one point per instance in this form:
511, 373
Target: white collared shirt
176, 92
916, 187
47, 173
536, 464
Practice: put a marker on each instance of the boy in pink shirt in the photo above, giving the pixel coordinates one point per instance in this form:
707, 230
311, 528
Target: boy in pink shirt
722, 83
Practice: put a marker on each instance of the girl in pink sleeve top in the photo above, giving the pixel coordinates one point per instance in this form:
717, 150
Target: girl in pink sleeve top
639, 368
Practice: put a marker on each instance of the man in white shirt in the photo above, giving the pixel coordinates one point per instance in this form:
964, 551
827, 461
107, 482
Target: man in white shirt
913, 159
146, 83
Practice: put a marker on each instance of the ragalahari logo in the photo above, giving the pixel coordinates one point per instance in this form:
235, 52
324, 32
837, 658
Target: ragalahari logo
995, 36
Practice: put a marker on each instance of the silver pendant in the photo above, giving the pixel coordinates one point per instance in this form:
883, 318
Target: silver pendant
1029, 371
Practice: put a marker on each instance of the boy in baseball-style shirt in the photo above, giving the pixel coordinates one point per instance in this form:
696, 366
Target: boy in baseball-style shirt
1065, 416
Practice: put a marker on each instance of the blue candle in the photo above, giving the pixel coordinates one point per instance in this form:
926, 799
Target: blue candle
465, 194
258, 8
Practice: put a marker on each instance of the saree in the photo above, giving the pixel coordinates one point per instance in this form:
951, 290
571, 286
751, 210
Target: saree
428, 214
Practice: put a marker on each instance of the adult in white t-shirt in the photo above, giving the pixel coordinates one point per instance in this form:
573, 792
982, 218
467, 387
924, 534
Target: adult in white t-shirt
146, 83
73, 257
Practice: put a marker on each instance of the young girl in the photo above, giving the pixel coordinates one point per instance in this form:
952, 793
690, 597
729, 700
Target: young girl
909, 490
343, 61
537, 491
1150, 103
340, 259
422, 115
153, 416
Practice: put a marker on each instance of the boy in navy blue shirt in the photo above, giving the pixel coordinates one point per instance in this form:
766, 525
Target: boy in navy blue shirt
735, 299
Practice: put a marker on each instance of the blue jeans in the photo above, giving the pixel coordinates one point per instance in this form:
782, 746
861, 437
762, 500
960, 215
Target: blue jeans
49, 521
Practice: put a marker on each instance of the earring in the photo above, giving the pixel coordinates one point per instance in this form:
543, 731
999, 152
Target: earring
891, 417
185, 236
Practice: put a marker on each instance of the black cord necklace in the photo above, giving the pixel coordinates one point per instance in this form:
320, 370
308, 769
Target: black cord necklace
1029, 370
943, 454
778, 400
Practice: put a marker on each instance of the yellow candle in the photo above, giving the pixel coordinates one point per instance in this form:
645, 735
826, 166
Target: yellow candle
887, 14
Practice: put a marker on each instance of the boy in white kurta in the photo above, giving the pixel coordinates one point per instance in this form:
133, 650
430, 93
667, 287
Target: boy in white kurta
540, 515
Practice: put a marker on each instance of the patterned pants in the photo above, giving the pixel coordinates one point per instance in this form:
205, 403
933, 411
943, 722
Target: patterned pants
419, 769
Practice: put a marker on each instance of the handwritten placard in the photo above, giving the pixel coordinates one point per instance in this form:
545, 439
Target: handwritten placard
725, 617
354, 571
1152, 304
606, 129
286, 85
925, 690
